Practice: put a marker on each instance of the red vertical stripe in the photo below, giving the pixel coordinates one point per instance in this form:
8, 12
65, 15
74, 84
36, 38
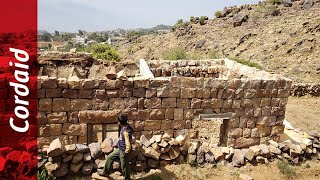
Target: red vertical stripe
18, 30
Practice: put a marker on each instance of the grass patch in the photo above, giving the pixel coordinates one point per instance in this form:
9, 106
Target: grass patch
275, 1
42, 174
175, 53
247, 63
218, 14
286, 169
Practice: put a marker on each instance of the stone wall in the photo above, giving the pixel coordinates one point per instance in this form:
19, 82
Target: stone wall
169, 104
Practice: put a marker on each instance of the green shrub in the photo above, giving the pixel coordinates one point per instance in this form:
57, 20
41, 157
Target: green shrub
175, 54
247, 63
286, 169
180, 24
104, 51
192, 18
202, 20
212, 55
42, 174
218, 14
274, 1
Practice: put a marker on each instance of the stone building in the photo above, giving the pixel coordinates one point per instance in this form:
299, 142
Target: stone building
219, 100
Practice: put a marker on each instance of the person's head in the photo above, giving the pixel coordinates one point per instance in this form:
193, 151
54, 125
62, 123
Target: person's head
123, 119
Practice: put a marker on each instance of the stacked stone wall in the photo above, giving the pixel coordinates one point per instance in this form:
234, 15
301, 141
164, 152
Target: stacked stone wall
67, 106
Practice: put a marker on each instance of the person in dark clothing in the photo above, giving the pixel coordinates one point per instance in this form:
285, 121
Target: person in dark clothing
122, 149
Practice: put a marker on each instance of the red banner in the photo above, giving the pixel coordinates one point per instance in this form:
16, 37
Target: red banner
18, 89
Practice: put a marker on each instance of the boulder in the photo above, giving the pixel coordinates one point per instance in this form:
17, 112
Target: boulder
274, 150
237, 158
238, 19
87, 168
248, 154
56, 148
163, 143
77, 157
144, 141
52, 166
95, 150
86, 157
165, 157
54, 159
193, 146
308, 4
71, 149
174, 152
82, 148
200, 155
200, 43
287, 3
75, 168
62, 171
218, 154
209, 157
181, 140
107, 145
166, 137
68, 158
150, 152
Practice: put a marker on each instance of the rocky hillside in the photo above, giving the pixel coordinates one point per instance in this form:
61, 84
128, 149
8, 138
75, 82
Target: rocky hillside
284, 38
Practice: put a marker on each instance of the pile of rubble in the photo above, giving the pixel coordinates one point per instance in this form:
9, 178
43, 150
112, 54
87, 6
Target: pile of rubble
306, 89
161, 150
19, 164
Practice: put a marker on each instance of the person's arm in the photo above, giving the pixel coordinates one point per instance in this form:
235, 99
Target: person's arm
127, 141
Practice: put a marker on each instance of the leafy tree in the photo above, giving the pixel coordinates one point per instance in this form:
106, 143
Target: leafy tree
104, 51
80, 32
56, 33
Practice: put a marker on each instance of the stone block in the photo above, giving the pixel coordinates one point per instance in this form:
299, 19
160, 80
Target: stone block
61, 104
275, 102
188, 114
139, 92
49, 82
42, 118
150, 125
206, 103
169, 102
74, 129
73, 117
277, 111
243, 122
81, 104
152, 103
251, 122
55, 129
228, 94
196, 103
236, 103
178, 114
188, 93
234, 83
143, 114
246, 142
177, 124
248, 112
216, 103
117, 103
85, 94
112, 93
246, 133
163, 92
157, 114
235, 133
239, 94
44, 131
188, 82
227, 104
75, 83
174, 92
45, 105
151, 93
99, 93
283, 93
54, 93
70, 93
98, 117
99, 104
138, 125
55, 118
141, 82
246, 103
250, 93
89, 84
203, 93
166, 124
234, 122
169, 113
276, 130
183, 103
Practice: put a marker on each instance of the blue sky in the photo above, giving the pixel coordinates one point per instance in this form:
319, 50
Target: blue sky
99, 15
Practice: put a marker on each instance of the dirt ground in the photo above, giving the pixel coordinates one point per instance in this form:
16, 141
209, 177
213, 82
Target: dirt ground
307, 171
304, 113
